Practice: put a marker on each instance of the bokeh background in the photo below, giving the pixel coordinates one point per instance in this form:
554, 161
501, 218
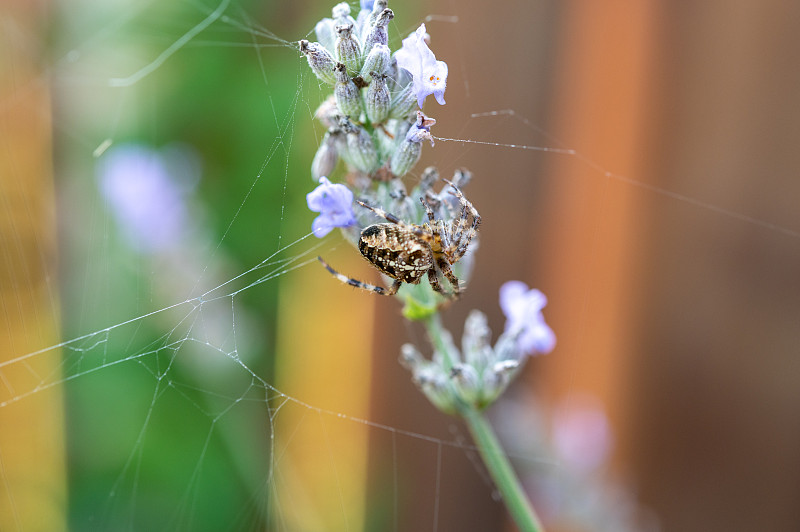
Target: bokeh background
662, 222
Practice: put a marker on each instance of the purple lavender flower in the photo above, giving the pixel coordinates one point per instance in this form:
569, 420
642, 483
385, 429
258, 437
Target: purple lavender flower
144, 195
523, 310
334, 202
429, 76
367, 4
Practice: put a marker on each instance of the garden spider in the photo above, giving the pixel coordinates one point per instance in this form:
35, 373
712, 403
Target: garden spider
405, 251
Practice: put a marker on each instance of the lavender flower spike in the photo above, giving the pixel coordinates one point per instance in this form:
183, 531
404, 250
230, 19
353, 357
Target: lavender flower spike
429, 76
334, 202
523, 310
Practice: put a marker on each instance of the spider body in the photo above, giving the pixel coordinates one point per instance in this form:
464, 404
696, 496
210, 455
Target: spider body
405, 252
396, 251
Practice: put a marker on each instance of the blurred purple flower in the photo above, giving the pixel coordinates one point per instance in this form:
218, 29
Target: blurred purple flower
144, 196
523, 310
581, 434
429, 76
367, 4
334, 202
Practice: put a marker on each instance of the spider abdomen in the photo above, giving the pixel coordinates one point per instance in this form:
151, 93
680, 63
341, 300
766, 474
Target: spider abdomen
396, 251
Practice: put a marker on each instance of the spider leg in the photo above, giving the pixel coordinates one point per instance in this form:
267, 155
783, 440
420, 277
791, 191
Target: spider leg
463, 246
445, 267
437, 228
428, 209
461, 223
463, 232
364, 286
383, 214
456, 235
433, 278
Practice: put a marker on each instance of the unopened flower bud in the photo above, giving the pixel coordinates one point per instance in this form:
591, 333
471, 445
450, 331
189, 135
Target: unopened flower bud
404, 104
376, 101
348, 50
326, 35
436, 388
320, 60
326, 157
361, 151
411, 358
377, 60
394, 75
406, 156
341, 14
476, 340
429, 176
497, 378
377, 8
362, 20
410, 148
466, 382
328, 113
377, 34
461, 177
346, 93
397, 190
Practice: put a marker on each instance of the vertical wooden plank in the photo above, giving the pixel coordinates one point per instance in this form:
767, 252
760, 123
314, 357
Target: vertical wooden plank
324, 361
718, 445
591, 253
32, 465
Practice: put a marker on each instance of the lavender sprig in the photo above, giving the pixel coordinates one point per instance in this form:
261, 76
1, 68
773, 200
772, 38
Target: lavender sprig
376, 126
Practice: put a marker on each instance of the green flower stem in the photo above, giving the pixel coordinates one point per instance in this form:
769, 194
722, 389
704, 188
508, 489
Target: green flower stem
488, 445
500, 469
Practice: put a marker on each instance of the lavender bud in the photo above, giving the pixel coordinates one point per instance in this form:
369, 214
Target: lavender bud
348, 50
497, 378
410, 148
411, 358
461, 177
320, 60
347, 95
326, 157
429, 176
476, 340
466, 382
447, 342
377, 34
397, 190
376, 101
328, 112
362, 22
326, 36
377, 9
341, 14
377, 60
406, 156
361, 151
505, 348
392, 72
435, 387
404, 104
398, 129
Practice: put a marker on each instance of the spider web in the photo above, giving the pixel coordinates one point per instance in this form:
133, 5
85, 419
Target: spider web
186, 366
